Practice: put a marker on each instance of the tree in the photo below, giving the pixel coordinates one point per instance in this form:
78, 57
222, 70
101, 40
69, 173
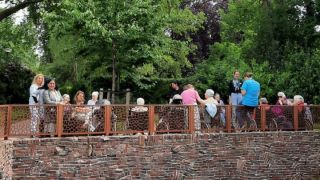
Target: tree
275, 40
17, 60
130, 36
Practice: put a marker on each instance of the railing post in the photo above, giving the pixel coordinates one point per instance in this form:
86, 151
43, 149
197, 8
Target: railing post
107, 120
191, 119
7, 124
151, 120
109, 95
228, 118
128, 96
59, 125
263, 117
295, 118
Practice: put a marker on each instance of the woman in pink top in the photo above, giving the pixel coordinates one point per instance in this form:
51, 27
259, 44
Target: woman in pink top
190, 97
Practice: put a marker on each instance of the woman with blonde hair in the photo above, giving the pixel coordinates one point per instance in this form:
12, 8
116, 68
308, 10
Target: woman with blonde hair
36, 98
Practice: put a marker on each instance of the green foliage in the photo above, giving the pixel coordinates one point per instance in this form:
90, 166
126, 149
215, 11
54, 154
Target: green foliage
273, 39
151, 43
17, 59
93, 33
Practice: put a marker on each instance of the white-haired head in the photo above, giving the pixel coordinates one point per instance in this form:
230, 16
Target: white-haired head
140, 101
209, 93
95, 93
66, 97
298, 99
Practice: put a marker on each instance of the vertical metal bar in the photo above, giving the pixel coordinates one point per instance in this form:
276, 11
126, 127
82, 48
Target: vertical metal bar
107, 119
7, 127
151, 120
59, 122
263, 117
191, 119
295, 118
228, 118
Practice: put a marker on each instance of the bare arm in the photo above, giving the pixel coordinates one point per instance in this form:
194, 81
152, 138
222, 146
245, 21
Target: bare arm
243, 92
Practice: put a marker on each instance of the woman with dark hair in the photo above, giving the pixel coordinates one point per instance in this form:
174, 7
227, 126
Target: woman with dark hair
52, 96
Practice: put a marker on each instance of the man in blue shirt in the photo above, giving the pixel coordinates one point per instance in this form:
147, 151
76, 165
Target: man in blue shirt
250, 91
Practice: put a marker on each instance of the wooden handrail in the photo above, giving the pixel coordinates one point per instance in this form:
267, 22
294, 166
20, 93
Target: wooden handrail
8, 116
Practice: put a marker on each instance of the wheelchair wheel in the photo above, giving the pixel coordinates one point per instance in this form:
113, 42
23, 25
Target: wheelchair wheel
273, 126
253, 125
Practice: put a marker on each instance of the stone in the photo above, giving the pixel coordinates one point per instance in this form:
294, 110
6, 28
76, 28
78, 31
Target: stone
61, 151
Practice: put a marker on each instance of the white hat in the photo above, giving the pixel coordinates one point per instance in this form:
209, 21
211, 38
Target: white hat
177, 96
281, 94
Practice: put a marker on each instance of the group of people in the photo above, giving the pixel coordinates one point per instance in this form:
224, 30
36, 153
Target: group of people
44, 91
246, 92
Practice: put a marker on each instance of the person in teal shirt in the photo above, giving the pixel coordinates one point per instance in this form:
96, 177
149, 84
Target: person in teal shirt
250, 91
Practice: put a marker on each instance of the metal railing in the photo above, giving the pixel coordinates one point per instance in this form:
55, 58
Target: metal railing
67, 120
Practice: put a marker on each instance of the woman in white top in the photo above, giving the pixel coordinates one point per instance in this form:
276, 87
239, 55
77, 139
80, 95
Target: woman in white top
35, 99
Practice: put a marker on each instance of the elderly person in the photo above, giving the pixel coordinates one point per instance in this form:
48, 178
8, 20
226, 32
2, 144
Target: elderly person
66, 99
67, 105
298, 100
210, 107
94, 99
140, 107
51, 97
36, 98
282, 99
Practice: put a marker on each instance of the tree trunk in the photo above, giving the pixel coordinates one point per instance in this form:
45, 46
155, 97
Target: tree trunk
8, 12
113, 88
